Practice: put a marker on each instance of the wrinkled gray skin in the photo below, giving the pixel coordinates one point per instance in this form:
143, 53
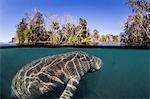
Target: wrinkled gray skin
45, 74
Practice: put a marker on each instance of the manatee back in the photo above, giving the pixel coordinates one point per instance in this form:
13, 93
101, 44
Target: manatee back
45, 74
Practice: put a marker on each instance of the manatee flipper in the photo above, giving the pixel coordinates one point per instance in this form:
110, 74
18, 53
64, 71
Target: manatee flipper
70, 88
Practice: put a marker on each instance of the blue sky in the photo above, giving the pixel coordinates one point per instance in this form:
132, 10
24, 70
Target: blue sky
107, 16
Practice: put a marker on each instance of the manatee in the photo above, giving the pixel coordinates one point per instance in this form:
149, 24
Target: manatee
45, 74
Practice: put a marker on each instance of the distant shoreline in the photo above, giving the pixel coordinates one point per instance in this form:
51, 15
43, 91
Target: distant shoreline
74, 46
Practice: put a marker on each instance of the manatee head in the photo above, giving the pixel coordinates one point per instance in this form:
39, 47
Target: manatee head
96, 63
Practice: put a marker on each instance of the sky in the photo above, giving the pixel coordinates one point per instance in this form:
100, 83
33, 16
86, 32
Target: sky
107, 16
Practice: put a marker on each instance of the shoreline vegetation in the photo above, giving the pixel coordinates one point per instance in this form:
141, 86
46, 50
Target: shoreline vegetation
41, 45
68, 32
65, 30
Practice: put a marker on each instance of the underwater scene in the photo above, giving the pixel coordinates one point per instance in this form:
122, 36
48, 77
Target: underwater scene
75, 49
123, 75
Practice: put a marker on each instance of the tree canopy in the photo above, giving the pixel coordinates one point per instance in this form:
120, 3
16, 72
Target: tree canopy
137, 28
32, 30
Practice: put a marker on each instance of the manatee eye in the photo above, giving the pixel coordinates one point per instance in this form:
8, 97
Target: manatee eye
92, 70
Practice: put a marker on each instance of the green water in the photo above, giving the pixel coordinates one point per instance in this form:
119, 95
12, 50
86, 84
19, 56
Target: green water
125, 73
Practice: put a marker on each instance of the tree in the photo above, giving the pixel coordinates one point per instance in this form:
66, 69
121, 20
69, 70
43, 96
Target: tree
27, 35
137, 27
20, 31
68, 33
115, 38
83, 24
32, 30
72, 39
37, 27
55, 25
139, 6
96, 34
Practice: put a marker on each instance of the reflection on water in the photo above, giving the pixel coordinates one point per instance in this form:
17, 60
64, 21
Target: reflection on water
112, 44
123, 75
